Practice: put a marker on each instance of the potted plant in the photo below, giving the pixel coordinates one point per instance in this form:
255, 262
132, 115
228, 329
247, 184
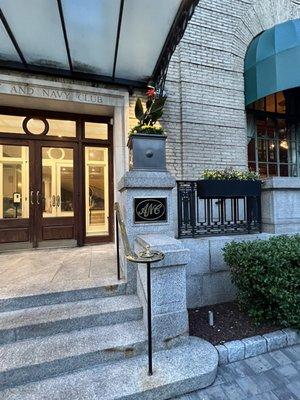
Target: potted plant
147, 142
229, 183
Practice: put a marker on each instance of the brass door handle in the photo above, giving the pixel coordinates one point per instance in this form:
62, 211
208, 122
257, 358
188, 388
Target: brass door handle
57, 201
31, 197
53, 201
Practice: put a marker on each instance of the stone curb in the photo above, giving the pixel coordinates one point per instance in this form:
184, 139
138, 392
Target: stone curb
237, 350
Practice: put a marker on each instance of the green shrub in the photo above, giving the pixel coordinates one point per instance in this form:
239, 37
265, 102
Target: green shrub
267, 276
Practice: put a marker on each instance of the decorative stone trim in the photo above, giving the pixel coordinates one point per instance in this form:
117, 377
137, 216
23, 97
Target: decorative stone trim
237, 350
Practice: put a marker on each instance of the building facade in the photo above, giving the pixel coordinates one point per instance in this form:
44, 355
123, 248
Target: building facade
63, 142
88, 316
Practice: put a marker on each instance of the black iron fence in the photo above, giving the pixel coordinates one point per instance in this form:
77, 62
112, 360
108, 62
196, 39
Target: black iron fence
204, 216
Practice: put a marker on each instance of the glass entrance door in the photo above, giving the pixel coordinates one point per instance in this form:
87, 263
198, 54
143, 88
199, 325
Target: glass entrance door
55, 208
96, 191
14, 193
57, 182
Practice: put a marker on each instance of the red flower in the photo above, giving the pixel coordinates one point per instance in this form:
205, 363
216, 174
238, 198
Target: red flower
151, 92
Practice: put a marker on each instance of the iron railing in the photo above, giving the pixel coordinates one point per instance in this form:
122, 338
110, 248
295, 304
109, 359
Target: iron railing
147, 257
205, 216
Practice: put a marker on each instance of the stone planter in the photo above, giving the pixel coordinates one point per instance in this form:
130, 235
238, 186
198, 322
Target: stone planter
147, 152
228, 188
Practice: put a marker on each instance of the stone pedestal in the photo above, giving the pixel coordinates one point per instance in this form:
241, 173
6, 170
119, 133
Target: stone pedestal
281, 205
168, 277
145, 184
168, 282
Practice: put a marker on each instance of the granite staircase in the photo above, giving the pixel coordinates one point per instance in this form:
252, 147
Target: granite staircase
92, 344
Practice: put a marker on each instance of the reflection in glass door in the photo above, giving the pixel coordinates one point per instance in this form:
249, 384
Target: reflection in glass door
57, 182
96, 191
14, 182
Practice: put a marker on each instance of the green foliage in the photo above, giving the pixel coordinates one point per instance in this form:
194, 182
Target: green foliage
267, 276
229, 173
152, 113
156, 130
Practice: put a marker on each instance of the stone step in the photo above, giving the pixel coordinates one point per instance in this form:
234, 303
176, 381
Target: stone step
188, 367
10, 303
32, 360
58, 318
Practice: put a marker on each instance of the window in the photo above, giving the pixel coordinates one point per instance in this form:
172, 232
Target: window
95, 130
38, 126
273, 126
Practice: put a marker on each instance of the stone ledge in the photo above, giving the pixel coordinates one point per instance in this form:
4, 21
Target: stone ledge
237, 350
281, 183
147, 180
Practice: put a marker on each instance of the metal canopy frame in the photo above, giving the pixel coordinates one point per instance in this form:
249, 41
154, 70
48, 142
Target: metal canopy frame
158, 76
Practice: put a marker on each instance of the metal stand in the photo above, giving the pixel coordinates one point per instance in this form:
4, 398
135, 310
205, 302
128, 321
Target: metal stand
149, 319
118, 249
147, 257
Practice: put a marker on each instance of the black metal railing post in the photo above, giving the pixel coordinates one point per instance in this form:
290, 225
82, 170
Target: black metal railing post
149, 318
146, 257
118, 249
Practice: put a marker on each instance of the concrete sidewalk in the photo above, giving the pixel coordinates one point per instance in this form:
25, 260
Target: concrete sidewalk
271, 376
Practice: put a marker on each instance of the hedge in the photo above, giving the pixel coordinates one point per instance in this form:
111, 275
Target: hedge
267, 276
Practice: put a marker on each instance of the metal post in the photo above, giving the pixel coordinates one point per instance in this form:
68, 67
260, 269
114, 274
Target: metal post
149, 316
118, 248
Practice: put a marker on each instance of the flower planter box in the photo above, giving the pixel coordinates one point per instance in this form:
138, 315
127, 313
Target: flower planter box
228, 188
147, 152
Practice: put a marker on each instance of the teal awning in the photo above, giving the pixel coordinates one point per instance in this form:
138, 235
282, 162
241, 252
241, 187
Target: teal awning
272, 62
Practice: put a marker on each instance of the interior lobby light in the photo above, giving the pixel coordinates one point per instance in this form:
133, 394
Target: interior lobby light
284, 144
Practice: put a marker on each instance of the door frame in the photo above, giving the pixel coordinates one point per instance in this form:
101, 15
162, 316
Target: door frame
79, 142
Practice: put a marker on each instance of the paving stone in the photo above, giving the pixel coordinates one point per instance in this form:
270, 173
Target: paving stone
254, 346
275, 340
265, 396
294, 387
280, 357
236, 350
283, 393
263, 383
248, 385
214, 393
233, 391
288, 371
260, 363
293, 352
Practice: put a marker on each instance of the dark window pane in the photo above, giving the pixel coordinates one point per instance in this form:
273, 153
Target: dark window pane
260, 105
293, 170
263, 170
283, 151
282, 131
251, 150
262, 149
284, 170
270, 127
272, 151
252, 166
273, 170
270, 103
280, 103
261, 127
